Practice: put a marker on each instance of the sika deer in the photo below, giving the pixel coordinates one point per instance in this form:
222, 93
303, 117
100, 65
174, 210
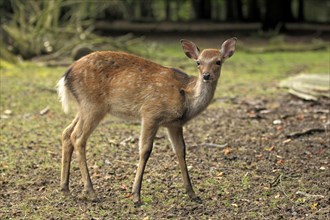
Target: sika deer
128, 86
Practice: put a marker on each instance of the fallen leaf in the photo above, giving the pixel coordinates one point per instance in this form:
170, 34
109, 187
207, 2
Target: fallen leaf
227, 151
300, 117
279, 128
112, 141
107, 177
269, 148
314, 206
124, 187
128, 195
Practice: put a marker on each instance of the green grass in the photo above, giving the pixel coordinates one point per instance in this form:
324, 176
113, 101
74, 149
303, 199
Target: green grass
30, 143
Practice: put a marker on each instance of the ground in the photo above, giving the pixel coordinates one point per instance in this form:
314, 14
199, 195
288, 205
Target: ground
244, 161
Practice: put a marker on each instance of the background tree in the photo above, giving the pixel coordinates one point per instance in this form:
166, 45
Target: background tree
301, 16
146, 10
202, 9
168, 10
234, 10
253, 11
287, 10
277, 13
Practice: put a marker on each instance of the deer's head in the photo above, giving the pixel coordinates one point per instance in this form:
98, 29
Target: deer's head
209, 61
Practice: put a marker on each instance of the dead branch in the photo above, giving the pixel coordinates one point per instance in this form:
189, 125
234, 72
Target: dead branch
309, 195
305, 132
277, 181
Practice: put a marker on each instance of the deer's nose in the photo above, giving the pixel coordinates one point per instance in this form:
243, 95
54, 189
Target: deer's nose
206, 76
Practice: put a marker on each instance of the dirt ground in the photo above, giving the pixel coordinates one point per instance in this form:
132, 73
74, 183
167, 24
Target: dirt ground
241, 159
264, 157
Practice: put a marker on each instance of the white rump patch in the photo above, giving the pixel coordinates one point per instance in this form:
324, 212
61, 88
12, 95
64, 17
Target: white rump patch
63, 94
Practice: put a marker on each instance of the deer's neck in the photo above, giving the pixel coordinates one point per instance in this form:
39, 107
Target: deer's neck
199, 97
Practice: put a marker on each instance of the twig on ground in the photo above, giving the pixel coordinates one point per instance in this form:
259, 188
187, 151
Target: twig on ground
277, 181
216, 145
305, 132
309, 195
44, 111
319, 212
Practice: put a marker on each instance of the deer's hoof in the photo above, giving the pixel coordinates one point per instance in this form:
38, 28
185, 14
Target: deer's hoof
90, 196
65, 191
137, 201
197, 200
137, 204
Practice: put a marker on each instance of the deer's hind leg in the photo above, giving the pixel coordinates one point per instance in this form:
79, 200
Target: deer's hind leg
67, 149
88, 121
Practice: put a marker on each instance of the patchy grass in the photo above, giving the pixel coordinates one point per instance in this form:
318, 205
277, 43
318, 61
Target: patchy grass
235, 182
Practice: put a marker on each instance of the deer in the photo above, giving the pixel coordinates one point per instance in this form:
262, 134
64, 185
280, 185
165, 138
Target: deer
131, 87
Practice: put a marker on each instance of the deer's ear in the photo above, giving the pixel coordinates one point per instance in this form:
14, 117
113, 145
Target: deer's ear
190, 49
228, 48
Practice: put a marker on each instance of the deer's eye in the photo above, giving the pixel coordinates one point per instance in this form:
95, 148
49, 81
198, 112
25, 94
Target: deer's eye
218, 62
198, 63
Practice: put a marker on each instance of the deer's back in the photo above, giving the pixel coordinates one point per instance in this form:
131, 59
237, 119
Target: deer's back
128, 86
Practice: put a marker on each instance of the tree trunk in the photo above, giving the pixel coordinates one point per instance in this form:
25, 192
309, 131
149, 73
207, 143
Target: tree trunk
234, 10
301, 7
131, 8
276, 15
253, 11
168, 10
239, 12
146, 9
230, 10
287, 10
202, 9
178, 4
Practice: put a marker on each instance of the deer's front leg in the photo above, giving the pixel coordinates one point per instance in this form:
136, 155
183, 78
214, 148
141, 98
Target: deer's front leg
176, 138
148, 132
